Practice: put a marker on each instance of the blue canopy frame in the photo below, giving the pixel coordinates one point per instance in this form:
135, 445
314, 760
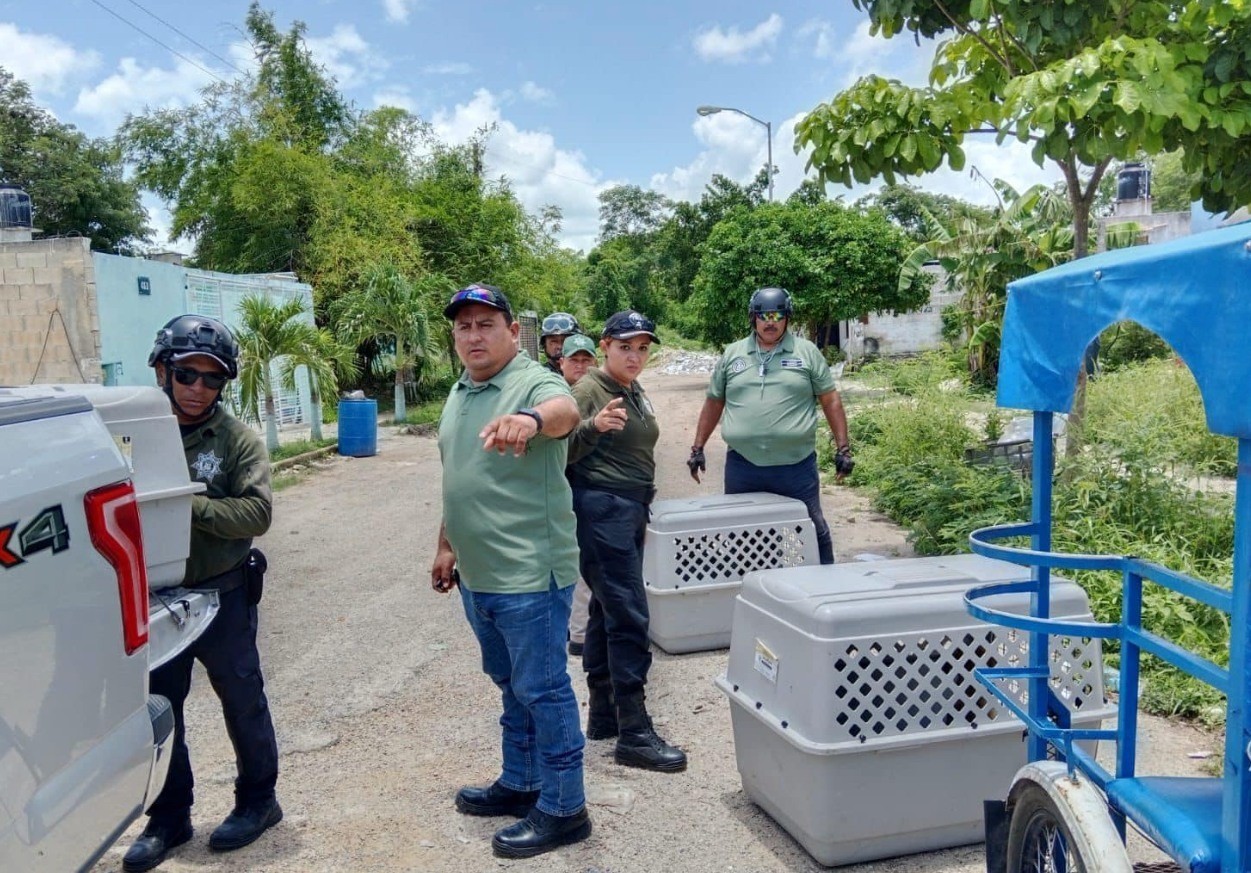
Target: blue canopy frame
1195, 293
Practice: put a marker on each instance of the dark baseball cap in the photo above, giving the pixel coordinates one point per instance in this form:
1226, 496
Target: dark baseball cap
484, 295
629, 324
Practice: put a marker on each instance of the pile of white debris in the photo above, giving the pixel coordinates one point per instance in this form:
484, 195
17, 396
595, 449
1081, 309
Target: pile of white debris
684, 363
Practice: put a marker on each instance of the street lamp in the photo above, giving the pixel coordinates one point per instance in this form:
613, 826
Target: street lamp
713, 110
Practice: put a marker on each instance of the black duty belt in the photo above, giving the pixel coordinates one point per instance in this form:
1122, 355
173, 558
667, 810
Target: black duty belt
643, 494
228, 581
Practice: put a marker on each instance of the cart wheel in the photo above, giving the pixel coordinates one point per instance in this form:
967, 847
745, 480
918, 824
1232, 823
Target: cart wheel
1039, 838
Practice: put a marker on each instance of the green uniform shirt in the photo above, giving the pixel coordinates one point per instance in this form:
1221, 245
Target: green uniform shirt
622, 459
230, 458
770, 415
509, 520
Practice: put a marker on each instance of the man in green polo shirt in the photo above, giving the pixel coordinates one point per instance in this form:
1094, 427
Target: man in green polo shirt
765, 391
509, 540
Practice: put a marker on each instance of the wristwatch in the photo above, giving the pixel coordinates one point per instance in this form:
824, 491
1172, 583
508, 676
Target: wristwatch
532, 413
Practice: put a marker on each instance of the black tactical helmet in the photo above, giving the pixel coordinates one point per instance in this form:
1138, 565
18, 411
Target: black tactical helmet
196, 335
559, 324
771, 300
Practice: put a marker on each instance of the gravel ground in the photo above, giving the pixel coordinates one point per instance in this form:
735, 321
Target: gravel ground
382, 711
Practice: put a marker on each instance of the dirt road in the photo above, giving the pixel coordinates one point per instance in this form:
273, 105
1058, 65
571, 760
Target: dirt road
382, 711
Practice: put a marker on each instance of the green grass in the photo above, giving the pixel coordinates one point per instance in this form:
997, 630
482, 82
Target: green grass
299, 447
421, 413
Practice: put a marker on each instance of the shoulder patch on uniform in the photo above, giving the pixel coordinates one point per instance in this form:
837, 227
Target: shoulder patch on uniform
792, 363
207, 466
739, 365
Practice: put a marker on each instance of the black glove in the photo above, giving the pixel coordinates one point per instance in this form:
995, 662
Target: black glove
696, 462
843, 464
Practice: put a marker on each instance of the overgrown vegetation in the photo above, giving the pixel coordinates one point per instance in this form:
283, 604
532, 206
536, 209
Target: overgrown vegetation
1126, 493
299, 447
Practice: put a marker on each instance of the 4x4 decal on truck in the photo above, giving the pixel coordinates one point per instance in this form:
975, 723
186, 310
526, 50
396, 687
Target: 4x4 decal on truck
47, 530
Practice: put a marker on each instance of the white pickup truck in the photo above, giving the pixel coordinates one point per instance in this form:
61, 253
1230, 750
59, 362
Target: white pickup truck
89, 476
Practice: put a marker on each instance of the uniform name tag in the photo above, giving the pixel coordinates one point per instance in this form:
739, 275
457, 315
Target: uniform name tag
792, 363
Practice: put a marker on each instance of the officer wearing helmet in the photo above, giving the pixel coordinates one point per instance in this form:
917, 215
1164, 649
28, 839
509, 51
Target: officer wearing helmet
765, 391
194, 356
556, 328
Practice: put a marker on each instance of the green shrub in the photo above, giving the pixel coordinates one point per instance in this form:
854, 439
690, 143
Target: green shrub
1127, 342
1152, 410
914, 376
1116, 497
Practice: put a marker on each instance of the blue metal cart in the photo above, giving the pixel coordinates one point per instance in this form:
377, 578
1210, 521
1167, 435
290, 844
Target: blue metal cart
1065, 812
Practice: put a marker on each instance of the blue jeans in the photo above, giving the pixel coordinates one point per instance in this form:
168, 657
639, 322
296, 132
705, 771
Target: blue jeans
610, 539
799, 481
522, 637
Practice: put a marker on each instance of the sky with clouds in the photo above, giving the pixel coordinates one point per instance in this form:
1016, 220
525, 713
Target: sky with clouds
582, 96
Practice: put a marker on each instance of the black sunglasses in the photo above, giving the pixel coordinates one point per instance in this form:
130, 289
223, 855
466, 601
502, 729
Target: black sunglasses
187, 376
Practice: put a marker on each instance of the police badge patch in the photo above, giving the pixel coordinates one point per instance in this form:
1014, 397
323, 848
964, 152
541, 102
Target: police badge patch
207, 465
739, 365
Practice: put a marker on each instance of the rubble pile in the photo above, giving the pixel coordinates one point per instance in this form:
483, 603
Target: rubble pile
683, 363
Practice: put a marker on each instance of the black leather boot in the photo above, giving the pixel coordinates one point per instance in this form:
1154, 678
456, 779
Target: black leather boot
154, 844
245, 825
539, 832
601, 719
495, 799
638, 744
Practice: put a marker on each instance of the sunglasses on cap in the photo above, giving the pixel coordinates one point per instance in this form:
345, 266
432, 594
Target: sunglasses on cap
774, 316
188, 376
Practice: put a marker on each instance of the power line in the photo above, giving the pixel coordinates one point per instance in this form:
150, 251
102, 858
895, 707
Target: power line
172, 51
185, 36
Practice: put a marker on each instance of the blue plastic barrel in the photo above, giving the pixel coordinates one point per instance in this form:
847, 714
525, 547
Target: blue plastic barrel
358, 427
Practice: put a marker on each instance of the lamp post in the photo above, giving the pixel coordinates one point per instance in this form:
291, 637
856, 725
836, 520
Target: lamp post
713, 110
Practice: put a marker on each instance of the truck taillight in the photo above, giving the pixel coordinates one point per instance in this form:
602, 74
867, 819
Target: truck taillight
113, 520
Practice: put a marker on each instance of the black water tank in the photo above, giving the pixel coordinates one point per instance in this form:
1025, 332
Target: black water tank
14, 207
1133, 182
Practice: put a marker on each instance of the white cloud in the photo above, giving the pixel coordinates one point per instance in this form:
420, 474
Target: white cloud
822, 35
398, 10
732, 46
133, 88
539, 172
397, 96
42, 61
456, 68
346, 56
735, 147
536, 94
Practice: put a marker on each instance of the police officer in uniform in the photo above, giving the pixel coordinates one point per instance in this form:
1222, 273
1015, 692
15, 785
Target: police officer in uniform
194, 356
768, 387
556, 328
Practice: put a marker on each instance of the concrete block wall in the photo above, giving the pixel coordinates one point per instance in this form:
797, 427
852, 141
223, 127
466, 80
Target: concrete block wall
49, 323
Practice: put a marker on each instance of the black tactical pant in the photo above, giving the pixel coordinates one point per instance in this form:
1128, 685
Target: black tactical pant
610, 538
228, 652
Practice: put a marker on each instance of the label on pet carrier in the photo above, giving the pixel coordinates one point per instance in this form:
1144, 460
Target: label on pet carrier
766, 662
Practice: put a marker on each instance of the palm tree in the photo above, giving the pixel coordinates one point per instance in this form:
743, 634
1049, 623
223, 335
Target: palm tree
273, 332
1025, 234
391, 309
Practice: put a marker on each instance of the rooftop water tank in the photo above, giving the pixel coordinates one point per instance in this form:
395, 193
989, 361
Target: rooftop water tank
1133, 182
15, 208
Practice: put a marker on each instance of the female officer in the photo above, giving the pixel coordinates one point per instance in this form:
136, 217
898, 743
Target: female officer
612, 470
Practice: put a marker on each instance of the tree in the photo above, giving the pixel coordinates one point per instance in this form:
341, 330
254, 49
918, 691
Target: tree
75, 183
275, 334
1026, 233
1083, 83
1171, 183
393, 311
913, 208
836, 262
628, 210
